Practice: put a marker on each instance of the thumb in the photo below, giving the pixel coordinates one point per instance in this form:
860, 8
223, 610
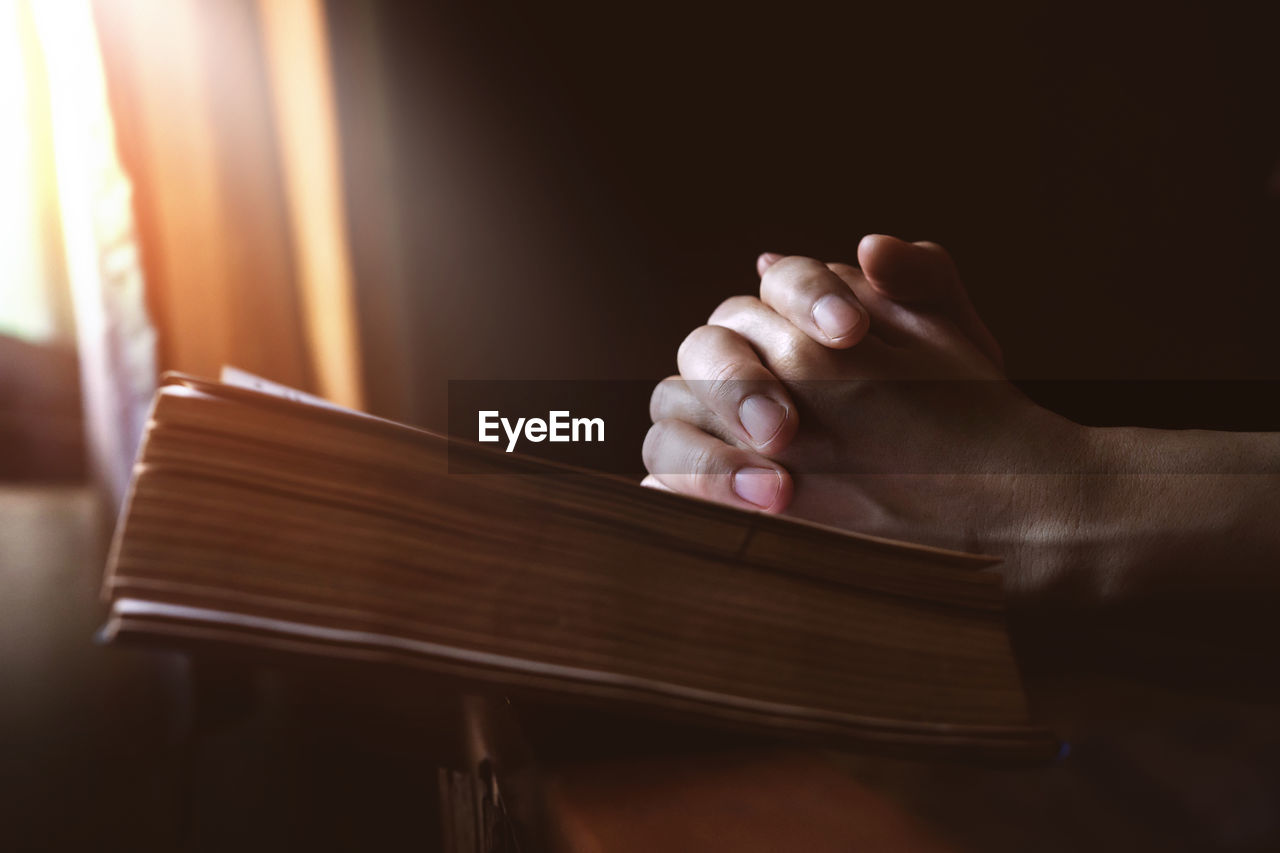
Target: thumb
924, 276
910, 272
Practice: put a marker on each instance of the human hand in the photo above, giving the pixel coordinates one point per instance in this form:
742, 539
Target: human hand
748, 408
920, 275
910, 429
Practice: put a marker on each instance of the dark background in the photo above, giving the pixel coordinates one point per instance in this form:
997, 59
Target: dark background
572, 188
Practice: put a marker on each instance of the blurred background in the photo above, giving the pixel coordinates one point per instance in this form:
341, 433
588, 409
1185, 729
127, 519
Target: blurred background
366, 199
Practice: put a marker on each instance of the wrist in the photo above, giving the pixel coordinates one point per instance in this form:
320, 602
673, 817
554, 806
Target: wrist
1067, 508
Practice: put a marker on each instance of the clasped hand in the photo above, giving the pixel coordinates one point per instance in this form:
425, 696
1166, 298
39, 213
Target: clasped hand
870, 398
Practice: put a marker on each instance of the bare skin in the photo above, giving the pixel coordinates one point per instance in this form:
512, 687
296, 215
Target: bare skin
1088, 519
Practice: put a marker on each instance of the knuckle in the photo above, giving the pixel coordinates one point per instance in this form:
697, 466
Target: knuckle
706, 466
665, 453
732, 307
701, 339
653, 442
657, 401
799, 277
666, 398
815, 283
792, 355
725, 383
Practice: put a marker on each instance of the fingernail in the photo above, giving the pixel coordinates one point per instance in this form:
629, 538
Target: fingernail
761, 417
835, 316
757, 486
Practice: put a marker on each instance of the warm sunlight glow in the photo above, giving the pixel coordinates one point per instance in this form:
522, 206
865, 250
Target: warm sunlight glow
26, 309
90, 214
64, 207
92, 192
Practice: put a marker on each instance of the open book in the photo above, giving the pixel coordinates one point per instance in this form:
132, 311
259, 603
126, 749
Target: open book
267, 519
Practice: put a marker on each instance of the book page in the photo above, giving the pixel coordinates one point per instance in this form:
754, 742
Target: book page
238, 378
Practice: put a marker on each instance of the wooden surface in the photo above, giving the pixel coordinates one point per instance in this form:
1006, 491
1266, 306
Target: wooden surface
1150, 769
743, 801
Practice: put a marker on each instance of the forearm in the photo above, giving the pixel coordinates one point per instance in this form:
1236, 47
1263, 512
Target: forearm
1188, 516
1166, 550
